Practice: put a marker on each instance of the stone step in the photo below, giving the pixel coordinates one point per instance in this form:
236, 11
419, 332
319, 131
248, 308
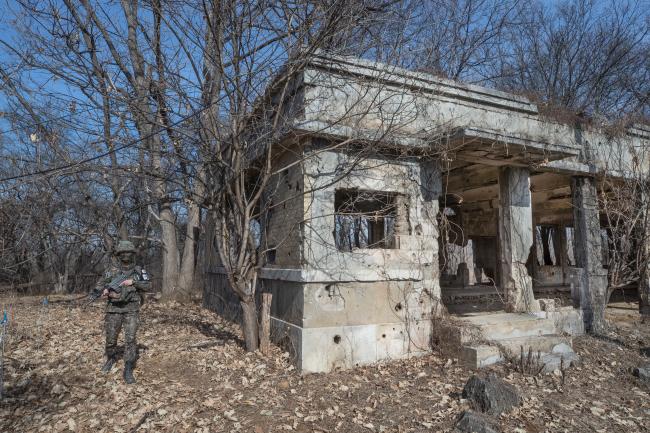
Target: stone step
502, 326
482, 355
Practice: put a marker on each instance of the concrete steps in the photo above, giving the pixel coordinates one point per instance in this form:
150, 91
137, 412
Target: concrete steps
486, 339
502, 326
482, 355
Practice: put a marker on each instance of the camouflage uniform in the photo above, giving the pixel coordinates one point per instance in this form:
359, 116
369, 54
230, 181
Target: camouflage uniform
123, 310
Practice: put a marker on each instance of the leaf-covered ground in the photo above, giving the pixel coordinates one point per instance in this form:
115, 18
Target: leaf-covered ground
194, 376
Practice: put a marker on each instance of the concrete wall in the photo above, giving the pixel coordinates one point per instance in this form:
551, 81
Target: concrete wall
284, 220
347, 308
417, 255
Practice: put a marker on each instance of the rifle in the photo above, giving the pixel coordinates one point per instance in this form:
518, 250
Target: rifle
115, 286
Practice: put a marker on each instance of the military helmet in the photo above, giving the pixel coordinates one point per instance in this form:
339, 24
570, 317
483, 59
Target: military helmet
124, 247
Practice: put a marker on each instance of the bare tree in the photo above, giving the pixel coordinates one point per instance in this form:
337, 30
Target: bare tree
625, 217
461, 39
249, 147
585, 56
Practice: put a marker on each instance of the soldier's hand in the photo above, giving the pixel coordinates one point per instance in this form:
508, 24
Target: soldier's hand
127, 283
105, 293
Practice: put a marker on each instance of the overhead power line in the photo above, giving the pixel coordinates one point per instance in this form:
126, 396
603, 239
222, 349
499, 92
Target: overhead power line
31, 125
103, 154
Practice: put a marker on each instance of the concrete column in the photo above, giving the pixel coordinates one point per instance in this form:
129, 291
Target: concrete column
588, 253
430, 191
515, 239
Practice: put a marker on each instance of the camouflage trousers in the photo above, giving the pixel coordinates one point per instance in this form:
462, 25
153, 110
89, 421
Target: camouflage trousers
114, 323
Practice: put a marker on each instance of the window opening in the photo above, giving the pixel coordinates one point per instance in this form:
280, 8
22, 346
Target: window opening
364, 219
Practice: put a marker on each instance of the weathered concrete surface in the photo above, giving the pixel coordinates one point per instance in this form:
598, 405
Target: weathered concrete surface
499, 326
347, 308
491, 395
588, 253
483, 355
351, 97
487, 339
567, 320
515, 239
417, 256
323, 349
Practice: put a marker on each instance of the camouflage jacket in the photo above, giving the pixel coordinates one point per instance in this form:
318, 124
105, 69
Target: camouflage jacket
130, 297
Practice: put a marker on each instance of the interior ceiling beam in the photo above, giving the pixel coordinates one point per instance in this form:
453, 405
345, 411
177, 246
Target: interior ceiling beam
470, 177
549, 181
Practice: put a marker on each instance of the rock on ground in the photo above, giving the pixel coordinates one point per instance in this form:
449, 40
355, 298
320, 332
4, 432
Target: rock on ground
491, 395
473, 422
643, 373
558, 361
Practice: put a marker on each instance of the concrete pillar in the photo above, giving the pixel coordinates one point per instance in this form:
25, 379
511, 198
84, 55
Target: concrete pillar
515, 239
588, 253
430, 191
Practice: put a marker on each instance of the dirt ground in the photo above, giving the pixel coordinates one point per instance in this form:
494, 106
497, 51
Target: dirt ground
52, 381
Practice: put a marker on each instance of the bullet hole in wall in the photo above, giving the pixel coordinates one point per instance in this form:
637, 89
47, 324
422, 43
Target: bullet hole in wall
337, 339
398, 306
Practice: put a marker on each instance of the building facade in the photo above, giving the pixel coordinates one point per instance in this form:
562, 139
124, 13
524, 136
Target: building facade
399, 192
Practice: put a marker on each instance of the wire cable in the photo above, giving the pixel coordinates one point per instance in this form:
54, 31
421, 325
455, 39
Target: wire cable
103, 154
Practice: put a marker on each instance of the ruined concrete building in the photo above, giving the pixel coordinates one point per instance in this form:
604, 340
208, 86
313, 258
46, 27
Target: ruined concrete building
406, 196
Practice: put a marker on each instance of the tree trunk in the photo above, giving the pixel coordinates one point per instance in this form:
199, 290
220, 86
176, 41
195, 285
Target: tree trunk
170, 256
249, 323
265, 331
188, 263
644, 280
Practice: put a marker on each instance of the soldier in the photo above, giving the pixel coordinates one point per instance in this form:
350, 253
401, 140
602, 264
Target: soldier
122, 309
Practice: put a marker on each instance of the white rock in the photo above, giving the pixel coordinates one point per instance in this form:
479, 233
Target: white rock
562, 348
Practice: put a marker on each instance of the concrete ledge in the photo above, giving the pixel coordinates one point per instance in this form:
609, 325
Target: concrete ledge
337, 276
417, 81
567, 320
502, 326
481, 355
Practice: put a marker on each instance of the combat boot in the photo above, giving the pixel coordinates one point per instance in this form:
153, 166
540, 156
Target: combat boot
108, 365
128, 372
